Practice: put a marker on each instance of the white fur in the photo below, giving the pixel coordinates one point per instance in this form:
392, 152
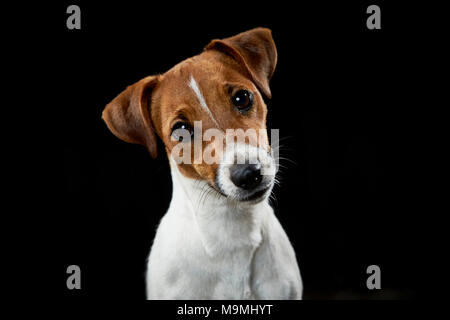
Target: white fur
201, 99
210, 247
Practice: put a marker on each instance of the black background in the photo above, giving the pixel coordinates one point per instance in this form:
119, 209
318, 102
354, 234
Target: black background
343, 100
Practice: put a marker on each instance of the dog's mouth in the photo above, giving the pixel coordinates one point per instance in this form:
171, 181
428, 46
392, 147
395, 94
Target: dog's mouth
254, 196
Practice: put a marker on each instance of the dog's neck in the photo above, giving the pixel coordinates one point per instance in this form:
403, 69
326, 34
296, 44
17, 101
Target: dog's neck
224, 225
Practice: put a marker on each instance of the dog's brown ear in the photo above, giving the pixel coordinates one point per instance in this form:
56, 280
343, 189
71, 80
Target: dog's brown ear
253, 49
128, 115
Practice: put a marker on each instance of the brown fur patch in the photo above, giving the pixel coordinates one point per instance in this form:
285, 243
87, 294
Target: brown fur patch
218, 77
155, 104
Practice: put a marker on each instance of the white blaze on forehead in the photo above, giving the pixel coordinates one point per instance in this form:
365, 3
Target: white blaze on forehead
201, 99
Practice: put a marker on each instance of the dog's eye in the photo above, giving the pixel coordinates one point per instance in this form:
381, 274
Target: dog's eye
182, 131
243, 100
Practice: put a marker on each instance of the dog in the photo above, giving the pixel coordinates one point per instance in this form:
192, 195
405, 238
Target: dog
219, 238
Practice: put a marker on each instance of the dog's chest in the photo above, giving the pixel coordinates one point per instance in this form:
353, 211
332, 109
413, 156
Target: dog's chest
221, 259
251, 273
255, 270
234, 275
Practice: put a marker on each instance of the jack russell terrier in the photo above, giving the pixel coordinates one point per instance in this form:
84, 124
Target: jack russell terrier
219, 238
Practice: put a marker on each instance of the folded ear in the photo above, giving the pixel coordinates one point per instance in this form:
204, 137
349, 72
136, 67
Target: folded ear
255, 50
128, 115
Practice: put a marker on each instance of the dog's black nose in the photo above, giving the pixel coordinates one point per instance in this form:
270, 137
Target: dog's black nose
246, 176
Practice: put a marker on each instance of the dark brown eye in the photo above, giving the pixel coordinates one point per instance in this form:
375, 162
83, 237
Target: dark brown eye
182, 131
243, 100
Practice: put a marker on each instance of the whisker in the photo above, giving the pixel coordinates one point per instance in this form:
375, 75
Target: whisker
273, 200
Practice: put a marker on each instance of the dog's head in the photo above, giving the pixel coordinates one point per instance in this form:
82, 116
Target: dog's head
210, 114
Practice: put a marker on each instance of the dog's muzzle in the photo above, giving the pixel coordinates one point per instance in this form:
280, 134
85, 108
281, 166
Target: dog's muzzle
251, 180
